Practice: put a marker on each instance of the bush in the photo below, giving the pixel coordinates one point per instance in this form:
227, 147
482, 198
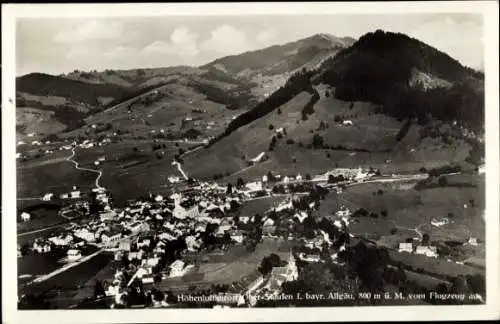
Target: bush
290, 141
271, 126
394, 231
279, 111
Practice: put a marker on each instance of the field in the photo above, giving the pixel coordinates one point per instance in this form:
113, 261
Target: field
410, 208
236, 264
370, 141
41, 215
72, 278
434, 266
57, 177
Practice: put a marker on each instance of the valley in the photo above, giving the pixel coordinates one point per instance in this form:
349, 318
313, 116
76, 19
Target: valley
317, 157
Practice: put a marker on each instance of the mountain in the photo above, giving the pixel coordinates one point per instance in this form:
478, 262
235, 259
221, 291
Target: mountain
408, 78
141, 101
269, 68
388, 97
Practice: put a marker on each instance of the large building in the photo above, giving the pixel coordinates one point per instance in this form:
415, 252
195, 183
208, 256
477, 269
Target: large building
279, 275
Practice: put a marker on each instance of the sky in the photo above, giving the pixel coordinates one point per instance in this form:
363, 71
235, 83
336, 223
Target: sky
61, 45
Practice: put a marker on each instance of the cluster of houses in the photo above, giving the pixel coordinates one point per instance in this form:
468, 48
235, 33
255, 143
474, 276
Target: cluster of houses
427, 250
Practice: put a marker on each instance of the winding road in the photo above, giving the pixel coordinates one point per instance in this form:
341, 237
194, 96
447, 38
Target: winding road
99, 172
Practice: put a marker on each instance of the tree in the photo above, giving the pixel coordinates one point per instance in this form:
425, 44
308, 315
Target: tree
271, 126
393, 230
425, 238
442, 181
337, 119
267, 264
98, 289
384, 213
308, 177
136, 149
229, 189
279, 111
317, 141
240, 183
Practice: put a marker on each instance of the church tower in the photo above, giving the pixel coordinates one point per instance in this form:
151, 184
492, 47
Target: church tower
292, 271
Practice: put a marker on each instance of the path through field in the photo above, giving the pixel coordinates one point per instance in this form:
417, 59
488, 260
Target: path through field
99, 172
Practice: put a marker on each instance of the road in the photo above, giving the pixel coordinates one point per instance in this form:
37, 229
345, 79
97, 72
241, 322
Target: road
65, 267
99, 172
78, 262
40, 230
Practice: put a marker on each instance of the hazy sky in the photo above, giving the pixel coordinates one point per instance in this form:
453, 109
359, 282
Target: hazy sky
61, 45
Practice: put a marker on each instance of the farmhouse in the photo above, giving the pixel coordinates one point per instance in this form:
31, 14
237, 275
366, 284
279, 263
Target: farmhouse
472, 241
25, 216
74, 254
62, 240
440, 221
429, 251
85, 234
405, 247
110, 237
254, 186
176, 268
347, 123
41, 246
237, 236
47, 196
75, 193
108, 215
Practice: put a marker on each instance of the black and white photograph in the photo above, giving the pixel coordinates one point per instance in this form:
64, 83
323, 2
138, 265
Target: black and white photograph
167, 158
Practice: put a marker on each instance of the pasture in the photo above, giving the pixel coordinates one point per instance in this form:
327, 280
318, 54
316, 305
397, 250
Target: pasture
410, 209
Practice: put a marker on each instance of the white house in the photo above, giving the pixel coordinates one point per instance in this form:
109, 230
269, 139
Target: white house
347, 123
472, 241
174, 179
136, 255
429, 251
439, 221
62, 240
109, 237
85, 234
25, 216
74, 254
244, 219
237, 236
405, 247
143, 242
298, 177
75, 193
41, 247
109, 215
254, 186
268, 222
177, 268
265, 179
47, 196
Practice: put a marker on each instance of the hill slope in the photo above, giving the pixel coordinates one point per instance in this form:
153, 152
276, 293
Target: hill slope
236, 83
387, 97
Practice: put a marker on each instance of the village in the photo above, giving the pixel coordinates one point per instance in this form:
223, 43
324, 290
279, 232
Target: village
155, 238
